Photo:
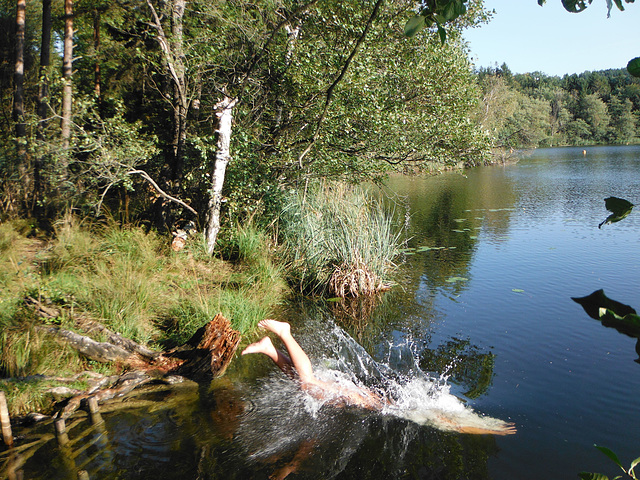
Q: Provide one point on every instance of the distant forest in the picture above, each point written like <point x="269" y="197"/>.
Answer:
<point x="537" y="110"/>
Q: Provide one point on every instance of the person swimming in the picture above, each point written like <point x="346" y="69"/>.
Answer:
<point x="297" y="366"/>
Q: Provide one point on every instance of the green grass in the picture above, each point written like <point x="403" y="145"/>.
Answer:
<point x="129" y="280"/>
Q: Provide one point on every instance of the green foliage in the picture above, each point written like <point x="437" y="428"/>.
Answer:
<point x="283" y="81"/>
<point x="336" y="227"/>
<point x="533" y="109"/>
<point x="630" y="472"/>
<point x="633" y="67"/>
<point x="436" y="12"/>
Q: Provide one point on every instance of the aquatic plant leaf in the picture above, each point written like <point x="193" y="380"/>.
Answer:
<point x="593" y="302"/>
<point x="609" y="453"/>
<point x="619" y="208"/>
<point x="456" y="279"/>
<point x="517" y="290"/>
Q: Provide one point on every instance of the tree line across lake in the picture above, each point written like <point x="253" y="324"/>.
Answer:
<point x="537" y="110"/>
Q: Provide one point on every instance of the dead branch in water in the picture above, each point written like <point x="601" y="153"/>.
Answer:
<point x="203" y="357"/>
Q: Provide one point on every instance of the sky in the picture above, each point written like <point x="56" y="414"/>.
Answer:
<point x="548" y="39"/>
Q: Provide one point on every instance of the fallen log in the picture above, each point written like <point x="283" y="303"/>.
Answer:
<point x="100" y="351"/>
<point x="206" y="355"/>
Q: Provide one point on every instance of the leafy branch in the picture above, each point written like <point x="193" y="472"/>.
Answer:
<point x="599" y="476"/>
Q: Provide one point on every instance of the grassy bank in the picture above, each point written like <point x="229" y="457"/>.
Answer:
<point x="128" y="280"/>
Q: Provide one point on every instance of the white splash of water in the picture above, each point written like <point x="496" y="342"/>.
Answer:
<point x="413" y="394"/>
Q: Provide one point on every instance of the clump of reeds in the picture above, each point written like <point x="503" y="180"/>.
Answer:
<point x="340" y="241"/>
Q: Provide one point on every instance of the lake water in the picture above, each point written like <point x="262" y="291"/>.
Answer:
<point x="481" y="326"/>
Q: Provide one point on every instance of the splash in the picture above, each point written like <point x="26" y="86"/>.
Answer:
<point x="411" y="393"/>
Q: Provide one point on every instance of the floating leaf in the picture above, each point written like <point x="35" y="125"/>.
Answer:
<point x="517" y="290"/>
<point x="619" y="208"/>
<point x="456" y="279"/>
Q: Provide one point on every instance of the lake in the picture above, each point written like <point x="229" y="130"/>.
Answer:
<point x="481" y="326"/>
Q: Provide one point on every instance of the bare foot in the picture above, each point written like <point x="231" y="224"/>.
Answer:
<point x="263" y="346"/>
<point x="279" y="328"/>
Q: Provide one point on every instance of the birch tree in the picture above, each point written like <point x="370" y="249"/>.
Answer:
<point x="224" y="112"/>
<point x="67" y="72"/>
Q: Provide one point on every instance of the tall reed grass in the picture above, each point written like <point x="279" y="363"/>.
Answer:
<point x="339" y="240"/>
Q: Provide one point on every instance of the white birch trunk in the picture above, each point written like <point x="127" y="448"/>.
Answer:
<point x="224" y="112"/>
<point x="67" y="70"/>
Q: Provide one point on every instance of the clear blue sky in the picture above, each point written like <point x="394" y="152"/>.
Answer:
<point x="528" y="37"/>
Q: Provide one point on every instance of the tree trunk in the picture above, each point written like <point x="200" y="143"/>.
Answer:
<point x="45" y="61"/>
<point x="67" y="71"/>
<point x="18" y="103"/>
<point x="179" y="91"/>
<point x="224" y="112"/>
<point x="96" y="49"/>
<point x="18" y="77"/>
<point x="43" y="94"/>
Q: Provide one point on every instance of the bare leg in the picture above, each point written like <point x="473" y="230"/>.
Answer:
<point x="298" y="362"/>
<point x="298" y="357"/>
<point x="282" y="360"/>
<point x="508" y="429"/>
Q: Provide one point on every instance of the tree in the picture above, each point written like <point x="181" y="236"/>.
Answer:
<point x="623" y="122"/>
<point x="296" y="77"/>
<point x="45" y="61"/>
<point x="18" y="98"/>
<point x="595" y="113"/>
<point x="67" y="72"/>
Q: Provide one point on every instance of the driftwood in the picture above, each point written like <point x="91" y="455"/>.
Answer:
<point x="205" y="356"/>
